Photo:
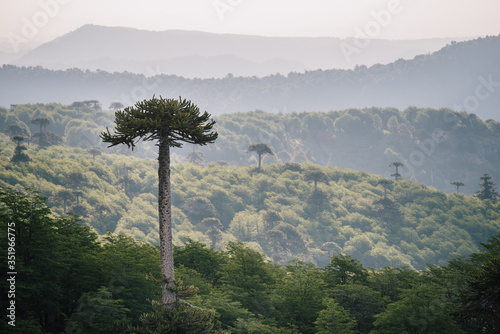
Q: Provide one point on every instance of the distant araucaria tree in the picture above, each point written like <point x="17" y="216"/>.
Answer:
<point x="169" y="122"/>
<point x="458" y="184"/>
<point x="488" y="189"/>
<point x="397" y="164"/>
<point x="261" y="150"/>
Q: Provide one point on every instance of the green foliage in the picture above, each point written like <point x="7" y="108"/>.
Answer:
<point x="261" y="150"/>
<point x="363" y="302"/>
<point x="334" y="319"/>
<point x="316" y="176"/>
<point x="413" y="226"/>
<point x="343" y="269"/>
<point x="102" y="286"/>
<point x="181" y="319"/>
<point x="97" y="312"/>
<point x="421" y="309"/>
<point x="51" y="258"/>
<point x="488" y="189"/>
<point x="162" y="119"/>
<point x="301" y="291"/>
<point x="19" y="155"/>
<point x="248" y="277"/>
<point x="208" y="262"/>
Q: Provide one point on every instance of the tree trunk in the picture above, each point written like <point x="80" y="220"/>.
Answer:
<point x="165" y="222"/>
<point x="260" y="161"/>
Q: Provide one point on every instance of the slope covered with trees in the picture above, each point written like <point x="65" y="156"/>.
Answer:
<point x="286" y="247"/>
<point x="105" y="286"/>
<point x="287" y="210"/>
<point x="436" y="147"/>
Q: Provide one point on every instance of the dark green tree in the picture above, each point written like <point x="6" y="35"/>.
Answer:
<point x="75" y="179"/>
<point x="487" y="190"/>
<point x="249" y="277"/>
<point x="292" y="166"/>
<point x="388" y="210"/>
<point x="316" y="176"/>
<point x="362" y="302"/>
<point x="198" y="208"/>
<point x="169" y="122"/>
<point x="47" y="138"/>
<point x="479" y="302"/>
<point x="344" y="269"/>
<point x="334" y="319"/>
<point x="421" y="309"/>
<point x="214" y="231"/>
<point x="385" y="183"/>
<point x="116" y="106"/>
<point x="261" y="150"/>
<point x="97" y="312"/>
<point x="457" y="184"/>
<point x="64" y="195"/>
<point x="302" y="291"/>
<point x="44" y="138"/>
<point x="396" y="164"/>
<point x="183" y="319"/>
<point x="208" y="262"/>
<point x="42" y="122"/>
<point x="18" y="139"/>
<point x="54" y="257"/>
<point x="19" y="155"/>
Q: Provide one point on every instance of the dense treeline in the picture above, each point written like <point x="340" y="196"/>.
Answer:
<point x="70" y="280"/>
<point x="449" y="78"/>
<point x="281" y="211"/>
<point x="436" y="146"/>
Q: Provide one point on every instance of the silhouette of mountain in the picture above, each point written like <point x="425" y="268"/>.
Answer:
<point x="205" y="55"/>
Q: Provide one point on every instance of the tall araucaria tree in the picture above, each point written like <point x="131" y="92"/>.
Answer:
<point x="169" y="122"/>
<point x="261" y="150"/>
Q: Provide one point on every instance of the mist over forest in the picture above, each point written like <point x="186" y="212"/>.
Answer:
<point x="448" y="78"/>
<point x="307" y="191"/>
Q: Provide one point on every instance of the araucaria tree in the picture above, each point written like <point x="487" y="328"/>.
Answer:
<point x="169" y="122"/>
<point x="457" y="184"/>
<point x="261" y="150"/>
<point x="316" y="176"/>
<point x="488" y="189"/>
<point x="397" y="164"/>
<point x="385" y="183"/>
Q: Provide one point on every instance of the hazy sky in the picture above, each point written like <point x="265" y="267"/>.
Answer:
<point x="29" y="22"/>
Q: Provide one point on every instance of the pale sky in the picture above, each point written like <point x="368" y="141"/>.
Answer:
<point x="30" y="22"/>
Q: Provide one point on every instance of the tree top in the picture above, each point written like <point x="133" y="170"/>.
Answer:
<point x="166" y="120"/>
<point x="260" y="148"/>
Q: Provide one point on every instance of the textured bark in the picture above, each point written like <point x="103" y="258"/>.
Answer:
<point x="165" y="222"/>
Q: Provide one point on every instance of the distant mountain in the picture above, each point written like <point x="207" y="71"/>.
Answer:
<point x="464" y="76"/>
<point x="205" y="55"/>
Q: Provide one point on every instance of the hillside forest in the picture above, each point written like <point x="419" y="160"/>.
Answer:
<point x="299" y="244"/>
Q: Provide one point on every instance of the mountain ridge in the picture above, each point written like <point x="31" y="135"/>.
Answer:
<point x="89" y="43"/>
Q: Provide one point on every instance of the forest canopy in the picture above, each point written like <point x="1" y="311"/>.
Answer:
<point x="279" y="211"/>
